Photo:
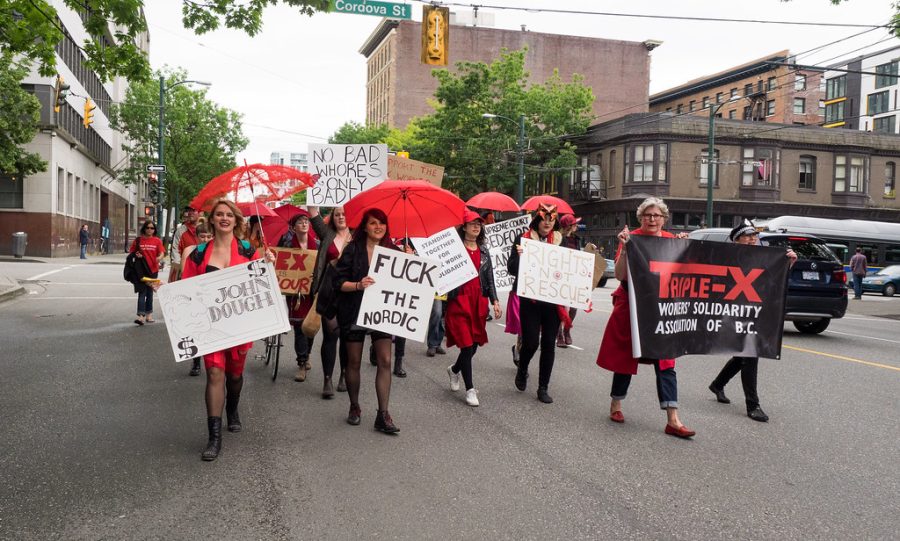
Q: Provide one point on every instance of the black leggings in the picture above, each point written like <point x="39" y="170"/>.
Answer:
<point x="540" y="323"/>
<point x="464" y="365"/>
<point x="331" y="332"/>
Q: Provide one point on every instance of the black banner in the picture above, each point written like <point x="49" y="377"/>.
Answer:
<point x="702" y="297"/>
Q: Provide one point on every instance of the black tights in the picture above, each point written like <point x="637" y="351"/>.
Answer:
<point x="217" y="383"/>
<point x="331" y="347"/>
<point x="464" y="365"/>
<point x="540" y="323"/>
<point x="382" y="374"/>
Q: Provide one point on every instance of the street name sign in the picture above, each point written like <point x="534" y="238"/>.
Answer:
<point x="156" y="168"/>
<point x="390" y="10"/>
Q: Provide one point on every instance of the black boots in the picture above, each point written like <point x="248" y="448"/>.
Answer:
<point x="521" y="379"/>
<point x="231" y="411"/>
<point x="398" y="368"/>
<point x="215" y="439"/>
<point x="384" y="423"/>
<point x="543" y="396"/>
<point x="720" y="393"/>
<point x="195" y="367"/>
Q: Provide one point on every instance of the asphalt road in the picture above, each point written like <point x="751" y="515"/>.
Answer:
<point x="102" y="433"/>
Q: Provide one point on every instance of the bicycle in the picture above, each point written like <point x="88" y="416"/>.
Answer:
<point x="272" y="353"/>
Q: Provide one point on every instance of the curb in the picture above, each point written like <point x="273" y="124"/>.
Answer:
<point x="10" y="289"/>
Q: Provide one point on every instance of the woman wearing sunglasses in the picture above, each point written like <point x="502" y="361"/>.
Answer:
<point x="150" y="250"/>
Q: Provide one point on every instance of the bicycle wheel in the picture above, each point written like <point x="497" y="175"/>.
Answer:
<point x="270" y="344"/>
<point x="277" y="348"/>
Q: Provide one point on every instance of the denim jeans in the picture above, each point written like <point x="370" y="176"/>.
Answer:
<point x="857" y="285"/>
<point x="666" y="386"/>
<point x="436" y="324"/>
<point x="145" y="301"/>
<point x="302" y="344"/>
<point x="84" y="251"/>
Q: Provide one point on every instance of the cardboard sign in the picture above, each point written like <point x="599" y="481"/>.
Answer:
<point x="399" y="302"/>
<point x="599" y="262"/>
<point x="703" y="297"/>
<point x="222" y="309"/>
<point x="294" y="268"/>
<point x="500" y="238"/>
<point x="344" y="172"/>
<point x="406" y="169"/>
<point x="555" y="274"/>
<point x="447" y="248"/>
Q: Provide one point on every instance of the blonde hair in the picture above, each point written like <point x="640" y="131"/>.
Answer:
<point x="653" y="202"/>
<point x="238" y="216"/>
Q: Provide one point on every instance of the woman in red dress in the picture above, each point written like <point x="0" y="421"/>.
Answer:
<point x="467" y="307"/>
<point x="615" y="349"/>
<point x="151" y="250"/>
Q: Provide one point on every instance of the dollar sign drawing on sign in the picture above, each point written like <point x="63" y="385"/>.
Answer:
<point x="257" y="269"/>
<point x="187" y="347"/>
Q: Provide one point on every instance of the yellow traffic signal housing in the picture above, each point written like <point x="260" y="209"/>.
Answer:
<point x="403" y="154"/>
<point x="88" y="112"/>
<point x="60" y="91"/>
<point x="435" y="35"/>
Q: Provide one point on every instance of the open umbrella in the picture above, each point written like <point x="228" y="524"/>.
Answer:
<point x="561" y="206"/>
<point x="255" y="182"/>
<point x="415" y="208"/>
<point x="255" y="209"/>
<point x="494" y="201"/>
<point x="274" y="227"/>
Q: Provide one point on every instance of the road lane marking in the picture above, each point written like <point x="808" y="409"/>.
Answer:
<point x="574" y="347"/>
<point x="44" y="297"/>
<point x="104" y="284"/>
<point x="48" y="273"/>
<point x="842" y="358"/>
<point x="861" y="336"/>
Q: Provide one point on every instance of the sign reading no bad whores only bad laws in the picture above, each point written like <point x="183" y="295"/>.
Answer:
<point x="345" y="171"/>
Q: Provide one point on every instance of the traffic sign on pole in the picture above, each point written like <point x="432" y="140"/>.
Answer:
<point x="156" y="168"/>
<point x="389" y="10"/>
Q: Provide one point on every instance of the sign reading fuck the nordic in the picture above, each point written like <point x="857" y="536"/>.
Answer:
<point x="229" y="307"/>
<point x="700" y="297"/>
<point x="345" y="171"/>
<point x="555" y="274"/>
<point x="399" y="302"/>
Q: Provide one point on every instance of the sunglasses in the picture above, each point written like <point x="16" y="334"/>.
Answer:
<point x="151" y="227"/>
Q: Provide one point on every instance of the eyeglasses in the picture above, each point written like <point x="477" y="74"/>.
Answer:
<point x="150" y="227"/>
<point x="652" y="216"/>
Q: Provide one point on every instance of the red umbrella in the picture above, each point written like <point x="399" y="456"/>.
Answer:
<point x="255" y="209"/>
<point x="415" y="208"/>
<point x="276" y="226"/>
<point x="256" y="182"/>
<point x="494" y="201"/>
<point x="561" y="206"/>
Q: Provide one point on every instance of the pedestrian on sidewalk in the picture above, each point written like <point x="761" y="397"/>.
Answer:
<point x="467" y="307"/>
<point x="859" y="268"/>
<point x="84" y="237"/>
<point x="148" y="248"/>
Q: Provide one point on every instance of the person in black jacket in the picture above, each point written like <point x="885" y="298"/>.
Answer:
<point x="467" y="307"/>
<point x="351" y="280"/>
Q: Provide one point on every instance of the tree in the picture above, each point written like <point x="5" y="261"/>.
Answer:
<point x="353" y="133"/>
<point x="201" y="138"/>
<point x="479" y="154"/>
<point x="20" y="113"/>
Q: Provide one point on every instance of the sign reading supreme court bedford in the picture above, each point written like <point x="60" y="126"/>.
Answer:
<point x="294" y="269"/>
<point x="222" y="309"/>
<point x="696" y="297"/>
<point x="555" y="274"/>
<point x="344" y="172"/>
<point x="500" y="237"/>
<point x="399" y="302"/>
<point x="447" y="248"/>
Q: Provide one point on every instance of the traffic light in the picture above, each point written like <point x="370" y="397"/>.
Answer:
<point x="435" y="35"/>
<point x="60" y="91"/>
<point x="403" y="154"/>
<point x="152" y="187"/>
<point x="149" y="210"/>
<point x="88" y="112"/>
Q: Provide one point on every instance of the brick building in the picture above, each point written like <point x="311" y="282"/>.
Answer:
<point x="399" y="85"/>
<point x="762" y="90"/>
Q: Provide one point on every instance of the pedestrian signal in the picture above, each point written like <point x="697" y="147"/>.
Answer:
<point x="148" y="210"/>
<point x="60" y="91"/>
<point x="88" y="112"/>
<point x="435" y="35"/>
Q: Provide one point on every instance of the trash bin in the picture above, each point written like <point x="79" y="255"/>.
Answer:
<point x="19" y="241"/>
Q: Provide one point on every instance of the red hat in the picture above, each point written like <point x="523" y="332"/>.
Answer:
<point x="568" y="220"/>
<point x="471" y="216"/>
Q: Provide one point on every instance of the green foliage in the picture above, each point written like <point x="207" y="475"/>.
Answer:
<point x="20" y="113"/>
<point x="201" y="138"/>
<point x="479" y="154"/>
<point x="246" y="15"/>
<point x="353" y="133"/>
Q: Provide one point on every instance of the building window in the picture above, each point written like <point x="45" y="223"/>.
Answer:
<point x="822" y="83"/>
<point x="849" y="174"/>
<point x="890" y="176"/>
<point x="770" y="107"/>
<point x="771" y="84"/>
<point x="807" y="173"/>
<point x="732" y="114"/>
<point x="886" y="74"/>
<point x="799" y="106"/>
<point x="706" y="102"/>
<point x="884" y="124"/>
<point x="734" y="93"/>
<point x="11" y="193"/>
<point x="612" y="168"/>
<point x="704" y="167"/>
<point x="834" y="112"/>
<point x="748" y="89"/>
<point x="836" y="88"/>
<point x="821" y="107"/>
<point x="680" y="109"/>
<point x="646" y="163"/>
<point x="800" y="82"/>
<point x="718" y="97"/>
<point x="746" y="114"/>
<point x="759" y="86"/>
<point x="691" y="105"/>
<point x="758" y="167"/>
<point x="878" y="102"/>
<point x="60" y="190"/>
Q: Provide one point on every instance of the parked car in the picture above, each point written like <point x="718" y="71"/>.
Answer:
<point x="817" y="283"/>
<point x="886" y="281"/>
<point x="610" y="272"/>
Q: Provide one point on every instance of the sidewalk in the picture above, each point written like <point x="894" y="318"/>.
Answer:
<point x="10" y="288"/>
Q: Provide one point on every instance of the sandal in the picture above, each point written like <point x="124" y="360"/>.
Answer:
<point x="139" y="320"/>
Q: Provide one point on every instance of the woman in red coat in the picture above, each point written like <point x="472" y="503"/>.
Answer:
<point x="615" y="349"/>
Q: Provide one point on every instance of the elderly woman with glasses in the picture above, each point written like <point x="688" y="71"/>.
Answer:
<point x="150" y="250"/>
<point x="615" y="349"/>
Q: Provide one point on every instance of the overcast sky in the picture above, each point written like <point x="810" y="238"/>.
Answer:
<point x="302" y="77"/>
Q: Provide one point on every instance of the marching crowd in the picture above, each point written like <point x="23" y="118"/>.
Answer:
<point x="340" y="278"/>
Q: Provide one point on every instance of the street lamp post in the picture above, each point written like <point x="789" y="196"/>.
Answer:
<point x="710" y="153"/>
<point x="520" y="152"/>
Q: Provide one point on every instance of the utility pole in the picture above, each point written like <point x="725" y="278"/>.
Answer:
<point x="160" y="154"/>
<point x="521" y="158"/>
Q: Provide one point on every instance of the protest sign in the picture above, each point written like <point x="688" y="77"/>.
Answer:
<point x="702" y="297"/>
<point x="294" y="269"/>
<point x="344" y="172"/>
<point x="447" y="248"/>
<point x="405" y="169"/>
<point x="222" y="309"/>
<point x="499" y="238"/>
<point x="399" y="302"/>
<point x="555" y="274"/>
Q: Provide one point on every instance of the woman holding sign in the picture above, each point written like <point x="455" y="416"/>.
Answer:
<point x="224" y="369"/>
<point x="615" y="349"/>
<point x="300" y="237"/>
<point x="467" y="307"/>
<point x="351" y="280"/>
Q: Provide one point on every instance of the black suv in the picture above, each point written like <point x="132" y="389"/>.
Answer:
<point x="817" y="285"/>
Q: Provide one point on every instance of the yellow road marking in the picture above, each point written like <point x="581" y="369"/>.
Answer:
<point x="842" y="358"/>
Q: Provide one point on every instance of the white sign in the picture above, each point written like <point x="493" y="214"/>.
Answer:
<point x="399" y="302"/>
<point x="344" y="172"/>
<point x="555" y="274"/>
<point x="447" y="248"/>
<point x="223" y="309"/>
<point x="500" y="238"/>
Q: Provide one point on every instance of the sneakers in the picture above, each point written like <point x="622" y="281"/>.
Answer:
<point x="440" y="351"/>
<point x="454" y="380"/>
<point x="430" y="352"/>
<point x="757" y="414"/>
<point x="384" y="423"/>
<point x="353" y="418"/>
<point x="472" y="397"/>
